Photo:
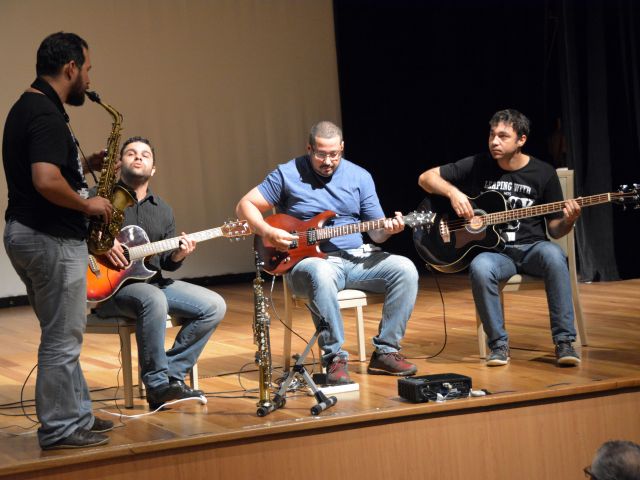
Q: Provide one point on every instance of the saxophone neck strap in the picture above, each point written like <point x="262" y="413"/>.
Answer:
<point x="47" y="90"/>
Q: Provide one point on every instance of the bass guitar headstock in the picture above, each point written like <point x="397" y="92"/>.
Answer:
<point x="628" y="195"/>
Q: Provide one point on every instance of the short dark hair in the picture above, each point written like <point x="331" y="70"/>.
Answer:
<point x="138" y="139"/>
<point x="324" y="129"/>
<point x="517" y="120"/>
<point x="617" y="460"/>
<point x="57" y="50"/>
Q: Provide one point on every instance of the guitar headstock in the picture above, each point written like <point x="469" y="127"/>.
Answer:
<point x="236" y="229"/>
<point x="628" y="194"/>
<point x="419" y="219"/>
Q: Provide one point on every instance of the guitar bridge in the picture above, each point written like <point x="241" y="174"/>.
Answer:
<point x="445" y="234"/>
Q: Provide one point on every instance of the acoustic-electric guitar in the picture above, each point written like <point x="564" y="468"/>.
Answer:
<point x="103" y="279"/>
<point x="451" y="242"/>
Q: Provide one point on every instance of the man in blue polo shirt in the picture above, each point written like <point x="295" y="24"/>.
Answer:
<point x="311" y="184"/>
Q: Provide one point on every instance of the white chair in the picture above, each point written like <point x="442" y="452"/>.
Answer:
<point x="349" y="298"/>
<point x="526" y="282"/>
<point x="125" y="327"/>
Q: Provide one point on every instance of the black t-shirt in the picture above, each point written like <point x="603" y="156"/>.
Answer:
<point x="36" y="131"/>
<point x="536" y="183"/>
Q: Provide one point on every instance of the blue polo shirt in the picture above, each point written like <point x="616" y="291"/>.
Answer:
<point x="295" y="189"/>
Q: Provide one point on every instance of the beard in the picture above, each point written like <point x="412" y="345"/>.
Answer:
<point x="134" y="179"/>
<point x="77" y="93"/>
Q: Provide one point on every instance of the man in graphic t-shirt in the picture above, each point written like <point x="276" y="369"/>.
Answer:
<point x="307" y="186"/>
<point x="523" y="181"/>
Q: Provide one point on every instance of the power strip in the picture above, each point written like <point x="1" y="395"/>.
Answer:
<point x="333" y="389"/>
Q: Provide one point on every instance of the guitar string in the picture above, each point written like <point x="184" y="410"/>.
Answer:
<point x="329" y="232"/>
<point x="502" y="217"/>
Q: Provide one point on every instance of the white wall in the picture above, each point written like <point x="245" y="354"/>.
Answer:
<point x="225" y="89"/>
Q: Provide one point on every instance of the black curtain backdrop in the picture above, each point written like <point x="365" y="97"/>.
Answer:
<point x="419" y="81"/>
<point x="599" y="62"/>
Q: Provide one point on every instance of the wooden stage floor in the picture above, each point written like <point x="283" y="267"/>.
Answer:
<point x="610" y="366"/>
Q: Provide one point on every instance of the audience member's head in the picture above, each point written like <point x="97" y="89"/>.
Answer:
<point x="616" y="460"/>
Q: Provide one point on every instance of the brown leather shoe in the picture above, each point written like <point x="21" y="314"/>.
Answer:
<point x="393" y="363"/>
<point x="338" y="372"/>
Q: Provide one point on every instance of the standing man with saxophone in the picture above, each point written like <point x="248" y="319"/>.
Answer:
<point x="45" y="235"/>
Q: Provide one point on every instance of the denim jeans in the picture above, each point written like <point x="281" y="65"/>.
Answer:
<point x="200" y="310"/>
<point x="54" y="271"/>
<point x="543" y="259"/>
<point x="320" y="280"/>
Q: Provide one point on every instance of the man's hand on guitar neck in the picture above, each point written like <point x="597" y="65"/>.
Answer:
<point x="559" y="227"/>
<point x="186" y="246"/>
<point x="391" y="227"/>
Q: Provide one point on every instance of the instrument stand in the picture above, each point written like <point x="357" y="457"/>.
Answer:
<point x="298" y="369"/>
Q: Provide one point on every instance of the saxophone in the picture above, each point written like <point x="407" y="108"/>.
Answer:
<point x="261" y="338"/>
<point x="101" y="234"/>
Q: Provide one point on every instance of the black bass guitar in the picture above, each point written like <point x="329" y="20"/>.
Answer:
<point x="452" y="242"/>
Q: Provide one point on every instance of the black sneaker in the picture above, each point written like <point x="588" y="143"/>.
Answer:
<point x="185" y="391"/>
<point x="498" y="356"/>
<point x="566" y="355"/>
<point x="101" y="426"/>
<point x="175" y="390"/>
<point x="79" y="439"/>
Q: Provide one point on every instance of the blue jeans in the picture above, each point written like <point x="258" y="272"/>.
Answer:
<point x="200" y="310"/>
<point x="543" y="259"/>
<point x="320" y="280"/>
<point x="54" y="271"/>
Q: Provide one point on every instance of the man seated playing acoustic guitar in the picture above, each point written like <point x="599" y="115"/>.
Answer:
<point x="524" y="181"/>
<point x="200" y="309"/>
<point x="307" y="186"/>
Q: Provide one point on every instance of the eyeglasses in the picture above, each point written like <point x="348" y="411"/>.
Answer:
<point x="330" y="155"/>
<point x="588" y="474"/>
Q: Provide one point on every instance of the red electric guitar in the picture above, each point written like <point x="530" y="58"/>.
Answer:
<point x="103" y="280"/>
<point x="312" y="232"/>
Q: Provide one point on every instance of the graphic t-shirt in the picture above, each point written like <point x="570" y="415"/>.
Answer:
<point x="536" y="183"/>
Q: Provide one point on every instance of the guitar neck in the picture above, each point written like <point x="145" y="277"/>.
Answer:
<point x="537" y="210"/>
<point x="329" y="232"/>
<point x="141" y="251"/>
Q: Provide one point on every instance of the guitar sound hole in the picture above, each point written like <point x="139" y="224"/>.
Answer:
<point x="476" y="224"/>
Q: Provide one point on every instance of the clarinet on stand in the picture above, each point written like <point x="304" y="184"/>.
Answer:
<point x="261" y="338"/>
